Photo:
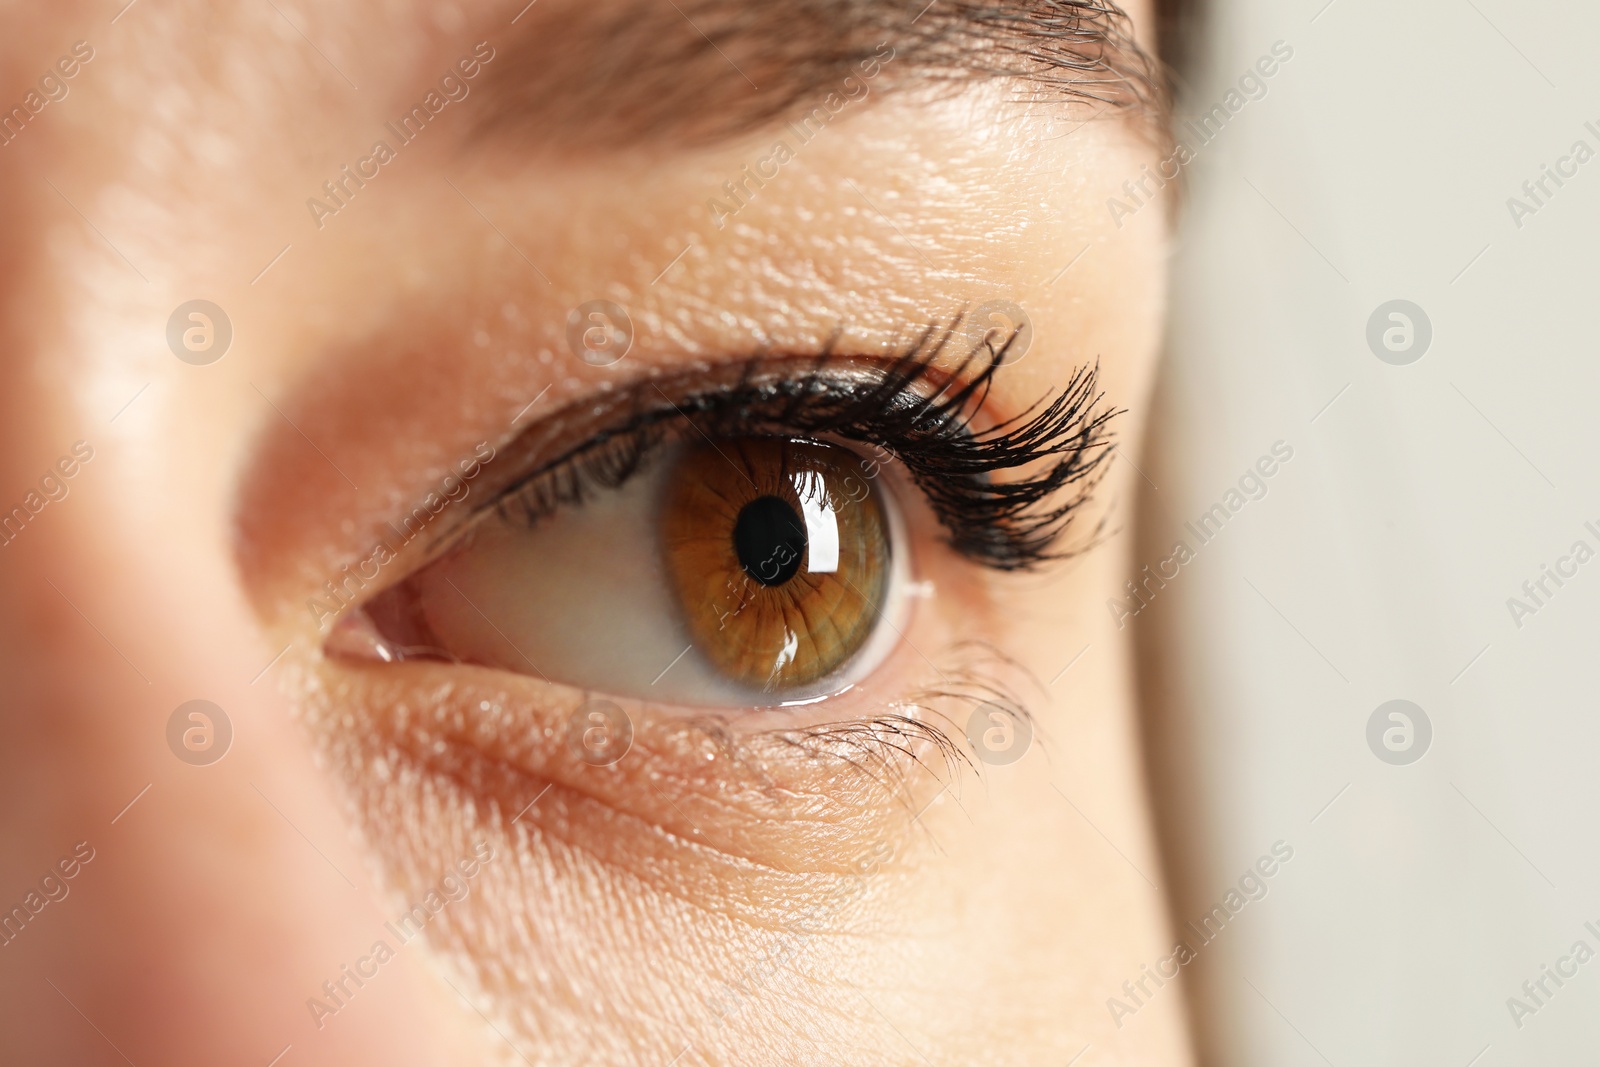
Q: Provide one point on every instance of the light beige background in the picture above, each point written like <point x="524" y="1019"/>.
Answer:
<point x="1378" y="566"/>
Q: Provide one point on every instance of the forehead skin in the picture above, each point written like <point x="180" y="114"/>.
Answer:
<point x="372" y="347"/>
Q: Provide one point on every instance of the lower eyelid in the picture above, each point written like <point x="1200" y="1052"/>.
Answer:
<point x="749" y="784"/>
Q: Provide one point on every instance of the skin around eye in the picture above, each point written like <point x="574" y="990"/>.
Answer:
<point x="732" y="572"/>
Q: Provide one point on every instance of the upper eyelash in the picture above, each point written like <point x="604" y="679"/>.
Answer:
<point x="1004" y="525"/>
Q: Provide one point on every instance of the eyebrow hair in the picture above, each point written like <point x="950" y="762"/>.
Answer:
<point x="600" y="75"/>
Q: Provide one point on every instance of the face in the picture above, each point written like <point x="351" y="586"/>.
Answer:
<point x="576" y="535"/>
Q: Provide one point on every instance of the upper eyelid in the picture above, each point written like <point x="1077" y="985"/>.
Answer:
<point x="522" y="455"/>
<point x="682" y="410"/>
<point x="537" y="451"/>
<point x="661" y="396"/>
<point x="534" y="451"/>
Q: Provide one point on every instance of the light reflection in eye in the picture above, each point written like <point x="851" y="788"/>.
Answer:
<point x="822" y="526"/>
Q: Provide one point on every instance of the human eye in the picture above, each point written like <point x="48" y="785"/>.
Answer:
<point x="742" y="537"/>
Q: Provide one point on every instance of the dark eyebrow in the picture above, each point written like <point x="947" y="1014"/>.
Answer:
<point x="600" y="75"/>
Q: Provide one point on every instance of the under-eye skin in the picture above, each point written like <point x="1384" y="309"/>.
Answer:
<point x="738" y="537"/>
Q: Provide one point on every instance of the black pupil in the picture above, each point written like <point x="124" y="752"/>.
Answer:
<point x="770" y="539"/>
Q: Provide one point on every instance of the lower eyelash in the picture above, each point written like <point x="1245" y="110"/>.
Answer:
<point x="1062" y="442"/>
<point x="926" y="731"/>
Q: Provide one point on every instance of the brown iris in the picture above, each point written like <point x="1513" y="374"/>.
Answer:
<point x="779" y="555"/>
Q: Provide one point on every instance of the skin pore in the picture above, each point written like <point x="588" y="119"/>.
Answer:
<point x="820" y="884"/>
